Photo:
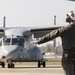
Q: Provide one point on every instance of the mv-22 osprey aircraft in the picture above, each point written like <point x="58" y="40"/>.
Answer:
<point x="15" y="45"/>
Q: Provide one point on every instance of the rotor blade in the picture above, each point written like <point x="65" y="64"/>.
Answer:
<point x="71" y="0"/>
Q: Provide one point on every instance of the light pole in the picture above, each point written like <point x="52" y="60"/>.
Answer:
<point x="4" y="21"/>
<point x="55" y="39"/>
<point x="54" y="24"/>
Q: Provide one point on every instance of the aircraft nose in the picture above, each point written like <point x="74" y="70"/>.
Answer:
<point x="9" y="49"/>
<point x="9" y="52"/>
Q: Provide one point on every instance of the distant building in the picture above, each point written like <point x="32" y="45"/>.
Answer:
<point x="49" y="55"/>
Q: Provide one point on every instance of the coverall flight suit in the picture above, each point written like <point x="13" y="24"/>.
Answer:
<point x="67" y="34"/>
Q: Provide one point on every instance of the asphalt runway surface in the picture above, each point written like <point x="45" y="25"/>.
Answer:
<point x="32" y="70"/>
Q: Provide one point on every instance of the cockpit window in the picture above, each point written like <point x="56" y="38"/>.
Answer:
<point x="15" y="41"/>
<point x="6" y="41"/>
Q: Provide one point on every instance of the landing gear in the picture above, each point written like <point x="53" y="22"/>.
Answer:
<point x="43" y="63"/>
<point x="10" y="64"/>
<point x="3" y="65"/>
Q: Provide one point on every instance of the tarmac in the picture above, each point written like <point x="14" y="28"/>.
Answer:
<point x="32" y="70"/>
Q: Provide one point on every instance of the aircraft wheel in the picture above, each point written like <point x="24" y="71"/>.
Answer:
<point x="3" y="65"/>
<point x="11" y="65"/>
<point x="8" y="65"/>
<point x="44" y="64"/>
<point x="39" y="64"/>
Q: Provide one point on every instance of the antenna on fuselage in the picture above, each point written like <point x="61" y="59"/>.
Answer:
<point x="4" y="22"/>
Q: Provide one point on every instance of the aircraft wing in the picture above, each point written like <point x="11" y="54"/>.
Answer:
<point x="2" y="33"/>
<point x="71" y="0"/>
<point x="39" y="32"/>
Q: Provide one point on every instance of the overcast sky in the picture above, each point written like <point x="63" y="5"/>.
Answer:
<point x="29" y="13"/>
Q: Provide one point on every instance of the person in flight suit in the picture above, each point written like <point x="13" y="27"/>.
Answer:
<point x="67" y="34"/>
